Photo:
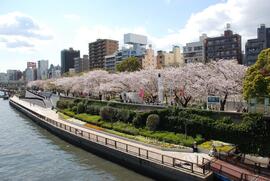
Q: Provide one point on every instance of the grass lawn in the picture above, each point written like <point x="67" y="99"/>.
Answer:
<point x="88" y="118"/>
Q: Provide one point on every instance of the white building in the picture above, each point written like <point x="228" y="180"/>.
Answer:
<point x="42" y="71"/>
<point x="194" y="52"/>
<point x="54" y="72"/>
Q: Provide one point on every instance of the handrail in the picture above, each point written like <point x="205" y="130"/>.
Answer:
<point x="242" y="176"/>
<point x="143" y="153"/>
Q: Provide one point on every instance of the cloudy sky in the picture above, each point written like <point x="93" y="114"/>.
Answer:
<point x="31" y="30"/>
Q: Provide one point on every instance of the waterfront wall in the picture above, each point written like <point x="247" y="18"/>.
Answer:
<point x="144" y="166"/>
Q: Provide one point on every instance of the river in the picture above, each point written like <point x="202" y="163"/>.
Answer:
<point x="29" y="152"/>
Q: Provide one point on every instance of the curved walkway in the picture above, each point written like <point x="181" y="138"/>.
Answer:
<point x="196" y="158"/>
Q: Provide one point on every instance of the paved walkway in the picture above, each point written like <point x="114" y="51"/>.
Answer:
<point x="190" y="157"/>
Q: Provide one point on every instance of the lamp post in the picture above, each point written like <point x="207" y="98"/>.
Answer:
<point x="160" y="89"/>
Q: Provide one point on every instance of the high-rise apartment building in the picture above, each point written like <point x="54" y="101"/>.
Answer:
<point x="13" y="75"/>
<point x="67" y="59"/>
<point x="227" y="46"/>
<point x="135" y="47"/>
<point x="194" y="52"/>
<point x="81" y="64"/>
<point x="42" y="71"/>
<point x="255" y="46"/>
<point x="98" y="50"/>
<point x="30" y="74"/>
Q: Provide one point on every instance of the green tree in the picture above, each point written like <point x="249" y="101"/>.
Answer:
<point x="257" y="78"/>
<point x="130" y="64"/>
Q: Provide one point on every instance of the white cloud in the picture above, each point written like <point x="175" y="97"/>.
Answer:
<point x="72" y="17"/>
<point x="244" y="17"/>
<point x="22" y="32"/>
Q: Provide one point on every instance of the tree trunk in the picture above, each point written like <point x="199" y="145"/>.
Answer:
<point x="223" y="102"/>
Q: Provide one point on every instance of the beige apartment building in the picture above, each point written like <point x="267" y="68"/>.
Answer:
<point x="149" y="61"/>
<point x="172" y="59"/>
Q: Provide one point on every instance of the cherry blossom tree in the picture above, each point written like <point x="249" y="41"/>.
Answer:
<point x="186" y="84"/>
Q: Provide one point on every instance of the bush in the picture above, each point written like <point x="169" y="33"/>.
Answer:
<point x="124" y="115"/>
<point x="125" y="128"/>
<point x="74" y="109"/>
<point x="80" y="108"/>
<point x="108" y="113"/>
<point x="62" y="104"/>
<point x="152" y="122"/>
<point x="94" y="110"/>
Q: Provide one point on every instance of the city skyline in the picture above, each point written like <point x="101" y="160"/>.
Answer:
<point x="34" y="31"/>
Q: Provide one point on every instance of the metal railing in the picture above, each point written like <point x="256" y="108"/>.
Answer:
<point x="169" y="161"/>
<point x="232" y="173"/>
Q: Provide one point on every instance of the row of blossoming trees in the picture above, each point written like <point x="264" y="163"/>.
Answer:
<point x="187" y="84"/>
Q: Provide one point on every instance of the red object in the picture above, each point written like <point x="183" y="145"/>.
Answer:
<point x="141" y="93"/>
<point x="181" y="92"/>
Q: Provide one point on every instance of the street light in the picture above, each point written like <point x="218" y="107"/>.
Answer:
<point x="160" y="88"/>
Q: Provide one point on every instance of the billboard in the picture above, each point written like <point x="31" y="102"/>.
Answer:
<point x="31" y="65"/>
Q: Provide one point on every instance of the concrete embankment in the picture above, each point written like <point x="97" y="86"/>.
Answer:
<point x="140" y="159"/>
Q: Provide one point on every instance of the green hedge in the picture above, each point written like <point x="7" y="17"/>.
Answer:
<point x="251" y="133"/>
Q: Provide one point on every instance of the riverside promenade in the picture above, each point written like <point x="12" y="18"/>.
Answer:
<point x="147" y="160"/>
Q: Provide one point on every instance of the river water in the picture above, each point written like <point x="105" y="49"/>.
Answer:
<point x="29" y="152"/>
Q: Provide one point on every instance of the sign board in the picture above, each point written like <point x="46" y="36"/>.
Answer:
<point x="213" y="100"/>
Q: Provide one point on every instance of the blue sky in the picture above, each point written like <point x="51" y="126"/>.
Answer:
<point x="31" y="30"/>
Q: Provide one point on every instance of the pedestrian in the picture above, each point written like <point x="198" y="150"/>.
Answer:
<point x="100" y="96"/>
<point x="194" y="147"/>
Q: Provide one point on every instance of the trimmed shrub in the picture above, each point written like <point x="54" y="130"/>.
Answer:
<point x="74" y="109"/>
<point x="80" y="108"/>
<point x="152" y="122"/>
<point x="124" y="115"/>
<point x="62" y="104"/>
<point x="94" y="110"/>
<point x="108" y="113"/>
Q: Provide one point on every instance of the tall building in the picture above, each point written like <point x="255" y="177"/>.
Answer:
<point x="149" y="61"/>
<point x="81" y="64"/>
<point x="54" y="72"/>
<point x="227" y="46"/>
<point x="194" y="52"/>
<point x="14" y="75"/>
<point x="98" y="50"/>
<point x="255" y="46"/>
<point x="29" y="74"/>
<point x="3" y="77"/>
<point x="173" y="58"/>
<point x="42" y="71"/>
<point x="136" y="48"/>
<point x="67" y="59"/>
